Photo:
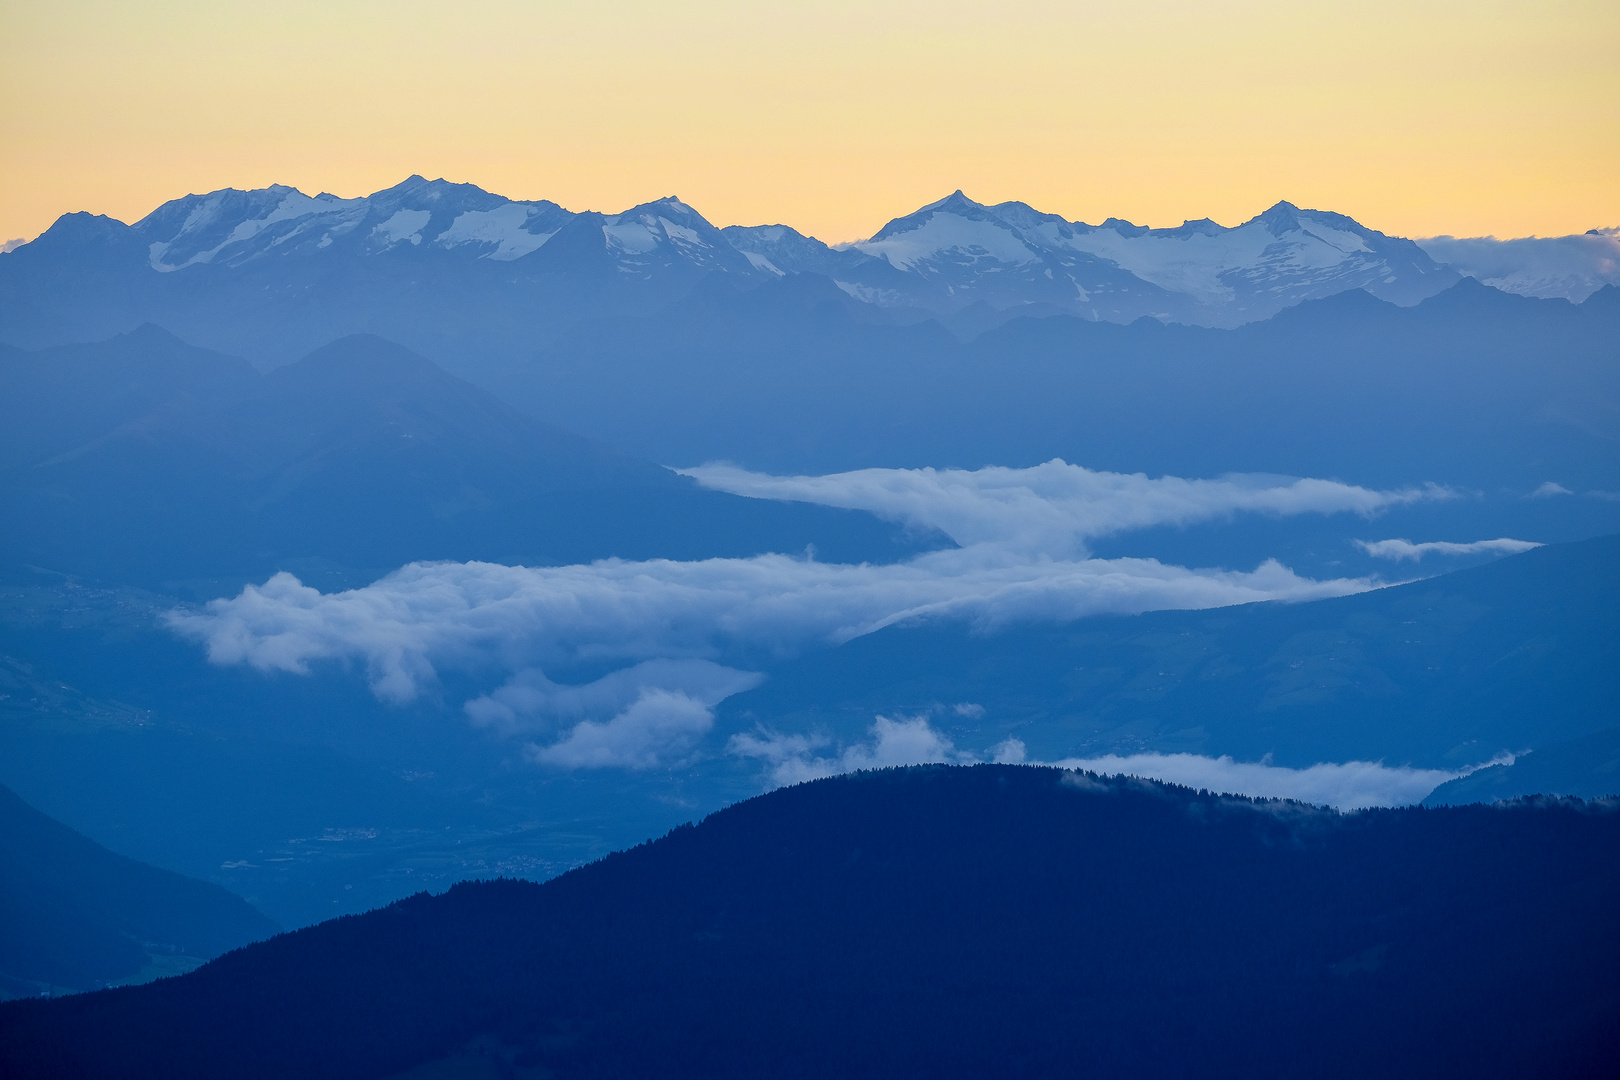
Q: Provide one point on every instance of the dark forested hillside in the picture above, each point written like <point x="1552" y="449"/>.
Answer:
<point x="75" y="916"/>
<point x="934" y="921"/>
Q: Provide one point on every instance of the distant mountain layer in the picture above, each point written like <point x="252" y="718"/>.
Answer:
<point x="143" y="460"/>
<point x="74" y="916"/>
<point x="985" y="921"/>
<point x="1471" y="387"/>
<point x="454" y="270"/>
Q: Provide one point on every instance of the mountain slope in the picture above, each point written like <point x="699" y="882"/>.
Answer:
<point x="938" y="921"/>
<point x="1472" y="387"/>
<point x="1444" y="673"/>
<point x="350" y="462"/>
<point x="1588" y="767"/>
<point x="74" y="916"/>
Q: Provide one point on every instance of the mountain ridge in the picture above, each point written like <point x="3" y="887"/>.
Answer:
<point x="937" y="920"/>
<point x="271" y="273"/>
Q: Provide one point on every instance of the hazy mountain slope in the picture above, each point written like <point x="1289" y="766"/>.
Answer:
<point x="1471" y="387"/>
<point x="306" y="797"/>
<point x="1444" y="673"/>
<point x="923" y="922"/>
<point x="74" y="916"/>
<point x="57" y="400"/>
<point x="1588" y="767"/>
<point x="356" y="459"/>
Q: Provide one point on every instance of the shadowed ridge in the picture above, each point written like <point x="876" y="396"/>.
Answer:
<point x="74" y="916"/>
<point x="932" y="921"/>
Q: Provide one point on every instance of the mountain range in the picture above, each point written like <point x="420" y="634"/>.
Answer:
<point x="468" y="276"/>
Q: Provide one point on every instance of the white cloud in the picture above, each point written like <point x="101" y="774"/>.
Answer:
<point x="1353" y="785"/>
<point x="669" y="626"/>
<point x="1054" y="508"/>
<point x="638" y="717"/>
<point x="529" y="700"/>
<point x="1549" y="489"/>
<point x="791" y="759"/>
<point x="427" y="616"/>
<point x="656" y="728"/>
<point x="1569" y="266"/>
<point x="1404" y="549"/>
<point x="12" y="245"/>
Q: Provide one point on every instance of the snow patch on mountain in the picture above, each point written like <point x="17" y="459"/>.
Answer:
<point x="504" y="227"/>
<point x="1197" y="259"/>
<point x="208" y="210"/>
<point x="760" y="262"/>
<point x="946" y="234"/>
<point x="403" y="225"/>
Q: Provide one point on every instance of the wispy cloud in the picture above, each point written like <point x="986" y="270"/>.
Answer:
<point x="1352" y="785"/>
<point x="1400" y="550"/>
<point x="1550" y="489"/>
<point x="639" y="717"/>
<point x="793" y="759"/>
<point x="1056" y="507"/>
<point x="466" y="615"/>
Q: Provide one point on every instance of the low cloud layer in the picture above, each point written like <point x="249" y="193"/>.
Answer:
<point x="1401" y="550"/>
<point x="672" y="634"/>
<point x="1572" y="267"/>
<point x="1353" y="785"/>
<point x="1056" y="507"/>
<point x="425" y="616"/>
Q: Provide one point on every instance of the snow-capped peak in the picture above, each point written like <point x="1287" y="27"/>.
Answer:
<point x="955" y="227"/>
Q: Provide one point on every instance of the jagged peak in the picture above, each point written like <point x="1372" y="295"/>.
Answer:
<point x="955" y="203"/>
<point x="1123" y="227"/>
<point x="669" y="206"/>
<point x="955" y="200"/>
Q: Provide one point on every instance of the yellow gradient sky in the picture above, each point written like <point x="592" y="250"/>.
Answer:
<point x="1416" y="118"/>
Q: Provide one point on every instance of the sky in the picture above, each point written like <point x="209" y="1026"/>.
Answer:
<point x="1477" y="118"/>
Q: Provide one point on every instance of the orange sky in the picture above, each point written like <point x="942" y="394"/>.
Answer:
<point x="833" y="116"/>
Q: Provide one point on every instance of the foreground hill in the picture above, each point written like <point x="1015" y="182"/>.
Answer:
<point x="994" y="920"/>
<point x="143" y="460"/>
<point x="74" y="916"/>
